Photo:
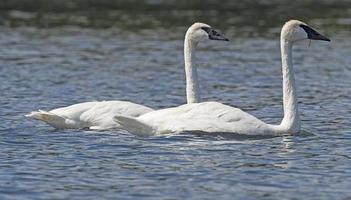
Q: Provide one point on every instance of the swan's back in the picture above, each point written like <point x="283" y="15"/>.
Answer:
<point x="205" y="110"/>
<point x="93" y="115"/>
<point x="205" y="117"/>
<point x="107" y="109"/>
<point x="74" y="111"/>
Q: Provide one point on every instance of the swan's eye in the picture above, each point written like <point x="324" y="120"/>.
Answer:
<point x="309" y="30"/>
<point x="208" y="30"/>
<point x="215" y="33"/>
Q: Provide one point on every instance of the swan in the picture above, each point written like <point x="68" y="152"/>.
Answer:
<point x="99" y="115"/>
<point x="214" y="117"/>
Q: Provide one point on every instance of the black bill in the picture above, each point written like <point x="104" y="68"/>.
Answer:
<point x="313" y="35"/>
<point x="214" y="34"/>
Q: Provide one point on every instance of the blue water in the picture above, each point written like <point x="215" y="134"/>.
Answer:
<point x="49" y="68"/>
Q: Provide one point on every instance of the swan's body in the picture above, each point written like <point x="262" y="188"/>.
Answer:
<point x="93" y="115"/>
<point x="212" y="117"/>
<point x="100" y="115"/>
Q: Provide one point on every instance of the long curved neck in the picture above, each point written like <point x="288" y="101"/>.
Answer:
<point x="192" y="84"/>
<point x="291" y="120"/>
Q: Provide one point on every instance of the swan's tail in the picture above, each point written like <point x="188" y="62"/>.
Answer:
<point x="49" y="118"/>
<point x="134" y="126"/>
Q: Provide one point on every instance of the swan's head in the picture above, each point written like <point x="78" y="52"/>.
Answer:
<point x="295" y="30"/>
<point x="200" y="32"/>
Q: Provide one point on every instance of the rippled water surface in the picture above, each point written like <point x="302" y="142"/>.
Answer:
<point x="47" y="68"/>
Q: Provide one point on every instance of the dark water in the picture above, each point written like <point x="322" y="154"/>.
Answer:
<point x="58" y="66"/>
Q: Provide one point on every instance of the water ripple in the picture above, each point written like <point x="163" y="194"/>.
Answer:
<point x="47" y="68"/>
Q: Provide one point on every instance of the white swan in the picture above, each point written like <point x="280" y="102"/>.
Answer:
<point x="216" y="117"/>
<point x="99" y="115"/>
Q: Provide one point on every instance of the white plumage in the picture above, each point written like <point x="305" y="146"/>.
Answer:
<point x="99" y="115"/>
<point x="93" y="115"/>
<point x="213" y="117"/>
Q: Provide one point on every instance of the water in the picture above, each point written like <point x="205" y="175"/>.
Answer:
<point x="58" y="66"/>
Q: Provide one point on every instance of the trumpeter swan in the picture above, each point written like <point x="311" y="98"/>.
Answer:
<point x="215" y="117"/>
<point x="99" y="115"/>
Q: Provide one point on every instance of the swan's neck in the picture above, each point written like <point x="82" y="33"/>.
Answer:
<point x="291" y="120"/>
<point x="192" y="85"/>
